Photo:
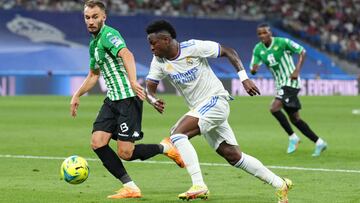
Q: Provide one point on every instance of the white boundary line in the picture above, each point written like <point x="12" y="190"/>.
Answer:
<point x="169" y="162"/>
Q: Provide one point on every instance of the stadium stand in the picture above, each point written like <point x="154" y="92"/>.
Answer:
<point x="32" y="31"/>
<point x="33" y="36"/>
<point x="332" y="25"/>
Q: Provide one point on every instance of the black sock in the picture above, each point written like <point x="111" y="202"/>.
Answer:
<point x="280" y="116"/>
<point x="112" y="163"/>
<point x="305" y="129"/>
<point x="145" y="151"/>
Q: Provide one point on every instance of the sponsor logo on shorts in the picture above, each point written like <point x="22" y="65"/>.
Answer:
<point x="123" y="135"/>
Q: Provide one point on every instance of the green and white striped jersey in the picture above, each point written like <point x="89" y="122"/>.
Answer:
<point x="104" y="50"/>
<point x="278" y="59"/>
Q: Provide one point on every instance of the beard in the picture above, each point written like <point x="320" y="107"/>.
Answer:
<point x="99" y="26"/>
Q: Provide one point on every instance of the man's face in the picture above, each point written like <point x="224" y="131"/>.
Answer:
<point x="94" y="19"/>
<point x="264" y="34"/>
<point x="159" y="44"/>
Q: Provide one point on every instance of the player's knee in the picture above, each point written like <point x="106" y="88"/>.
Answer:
<point x="125" y="154"/>
<point x="97" y="143"/>
<point x="232" y="156"/>
<point x="99" y="139"/>
<point x="273" y="110"/>
<point x="294" y="119"/>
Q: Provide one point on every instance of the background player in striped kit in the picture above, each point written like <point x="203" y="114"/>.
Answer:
<point x="276" y="53"/>
<point x="120" y="116"/>
<point x="185" y="65"/>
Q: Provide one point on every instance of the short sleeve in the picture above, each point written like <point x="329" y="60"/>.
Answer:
<point x="255" y="59"/>
<point x="206" y="49"/>
<point x="92" y="58"/>
<point x="113" y="42"/>
<point x="155" y="73"/>
<point x="293" y="46"/>
<point x="92" y="63"/>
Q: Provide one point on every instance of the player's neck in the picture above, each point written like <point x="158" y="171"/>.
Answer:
<point x="174" y="51"/>
<point x="268" y="43"/>
<point x="95" y="34"/>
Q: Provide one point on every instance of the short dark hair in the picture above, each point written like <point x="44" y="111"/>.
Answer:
<point x="93" y="3"/>
<point x="261" y="25"/>
<point x="159" y="26"/>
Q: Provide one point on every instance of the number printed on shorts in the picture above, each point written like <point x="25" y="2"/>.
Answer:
<point x="124" y="127"/>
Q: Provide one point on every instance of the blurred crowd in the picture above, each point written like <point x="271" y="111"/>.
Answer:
<point x="332" y="25"/>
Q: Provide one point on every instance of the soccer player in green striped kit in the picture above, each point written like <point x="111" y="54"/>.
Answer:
<point x="120" y="116"/>
<point x="276" y="53"/>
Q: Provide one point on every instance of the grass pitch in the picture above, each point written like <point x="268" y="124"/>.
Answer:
<point x="41" y="126"/>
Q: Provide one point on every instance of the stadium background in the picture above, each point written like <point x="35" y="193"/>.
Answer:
<point x="43" y="44"/>
<point x="44" y="57"/>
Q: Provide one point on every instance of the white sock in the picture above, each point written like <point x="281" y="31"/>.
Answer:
<point x="189" y="156"/>
<point x="132" y="185"/>
<point x="293" y="137"/>
<point x="319" y="141"/>
<point x="257" y="169"/>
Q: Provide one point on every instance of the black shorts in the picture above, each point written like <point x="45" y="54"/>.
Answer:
<point x="122" y="118"/>
<point x="290" y="99"/>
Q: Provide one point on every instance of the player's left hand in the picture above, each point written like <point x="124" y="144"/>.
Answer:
<point x="294" y="75"/>
<point x="139" y="90"/>
<point x="159" y="105"/>
<point x="250" y="87"/>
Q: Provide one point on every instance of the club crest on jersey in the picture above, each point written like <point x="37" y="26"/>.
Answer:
<point x="262" y="52"/>
<point x="169" y="68"/>
<point x="189" y="61"/>
<point x="276" y="48"/>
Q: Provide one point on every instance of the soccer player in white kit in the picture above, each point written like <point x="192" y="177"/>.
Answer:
<point x="186" y="67"/>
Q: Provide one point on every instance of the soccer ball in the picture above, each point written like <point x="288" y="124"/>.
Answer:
<point x="74" y="170"/>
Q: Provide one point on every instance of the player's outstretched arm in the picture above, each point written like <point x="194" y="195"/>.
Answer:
<point x="129" y="63"/>
<point x="150" y="92"/>
<point x="234" y="59"/>
<point x="299" y="64"/>
<point x="87" y="85"/>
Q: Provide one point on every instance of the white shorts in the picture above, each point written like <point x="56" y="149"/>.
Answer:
<point x="213" y="123"/>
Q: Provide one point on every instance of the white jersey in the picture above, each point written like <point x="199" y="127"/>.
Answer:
<point x="190" y="72"/>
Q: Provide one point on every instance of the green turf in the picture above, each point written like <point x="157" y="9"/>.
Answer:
<point x="42" y="126"/>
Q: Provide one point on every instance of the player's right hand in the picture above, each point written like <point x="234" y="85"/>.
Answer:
<point x="74" y="105"/>
<point x="250" y="87"/>
<point x="139" y="90"/>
